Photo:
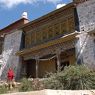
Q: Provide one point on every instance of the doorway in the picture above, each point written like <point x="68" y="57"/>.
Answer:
<point x="31" y="68"/>
<point x="63" y="64"/>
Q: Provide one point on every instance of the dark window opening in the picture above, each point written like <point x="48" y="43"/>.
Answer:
<point x="77" y="28"/>
<point x="1" y="44"/>
<point x="22" y="46"/>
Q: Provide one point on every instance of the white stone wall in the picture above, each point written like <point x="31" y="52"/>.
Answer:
<point x="9" y="59"/>
<point x="86" y="14"/>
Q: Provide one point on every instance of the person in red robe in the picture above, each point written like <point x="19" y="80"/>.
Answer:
<point x="10" y="77"/>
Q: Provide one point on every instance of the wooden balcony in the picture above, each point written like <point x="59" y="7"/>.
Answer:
<point x="62" y="39"/>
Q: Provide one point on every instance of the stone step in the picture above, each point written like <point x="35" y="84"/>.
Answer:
<point x="55" y="92"/>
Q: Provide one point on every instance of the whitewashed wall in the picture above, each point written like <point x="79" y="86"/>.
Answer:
<point x="86" y="14"/>
<point x="11" y="46"/>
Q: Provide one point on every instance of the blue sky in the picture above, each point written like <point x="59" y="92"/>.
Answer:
<point x="11" y="10"/>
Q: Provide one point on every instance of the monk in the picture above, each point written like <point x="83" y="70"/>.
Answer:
<point x="10" y="77"/>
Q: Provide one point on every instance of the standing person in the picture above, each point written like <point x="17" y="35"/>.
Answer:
<point x="10" y="77"/>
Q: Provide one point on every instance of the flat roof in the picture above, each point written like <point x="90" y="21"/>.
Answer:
<point x="12" y="24"/>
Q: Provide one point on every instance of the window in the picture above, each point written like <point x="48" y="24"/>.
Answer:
<point x="33" y="38"/>
<point x="38" y="37"/>
<point x="71" y="24"/>
<point x="57" y="29"/>
<point x="27" y="40"/>
<point x="1" y="44"/>
<point x="50" y="32"/>
<point x="44" y="33"/>
<point x="63" y="27"/>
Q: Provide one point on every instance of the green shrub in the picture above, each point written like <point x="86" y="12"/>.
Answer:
<point x="52" y="83"/>
<point x="77" y="77"/>
<point x="3" y="89"/>
<point x="25" y="85"/>
<point x="37" y="84"/>
<point x="29" y="85"/>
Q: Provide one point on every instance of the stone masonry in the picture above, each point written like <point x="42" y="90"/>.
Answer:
<point x="11" y="46"/>
<point x="86" y="15"/>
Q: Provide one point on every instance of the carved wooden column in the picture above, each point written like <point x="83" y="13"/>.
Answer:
<point x="37" y="67"/>
<point x="58" y="61"/>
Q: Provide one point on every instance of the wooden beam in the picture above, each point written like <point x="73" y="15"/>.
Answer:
<point x="58" y="62"/>
<point x="37" y="67"/>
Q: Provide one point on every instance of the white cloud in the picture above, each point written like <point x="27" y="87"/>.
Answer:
<point x="11" y="3"/>
<point x="60" y="5"/>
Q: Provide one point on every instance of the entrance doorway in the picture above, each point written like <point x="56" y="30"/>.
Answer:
<point x="31" y="68"/>
<point x="63" y="64"/>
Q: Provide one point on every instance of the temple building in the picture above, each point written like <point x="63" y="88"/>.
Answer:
<point x="63" y="37"/>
